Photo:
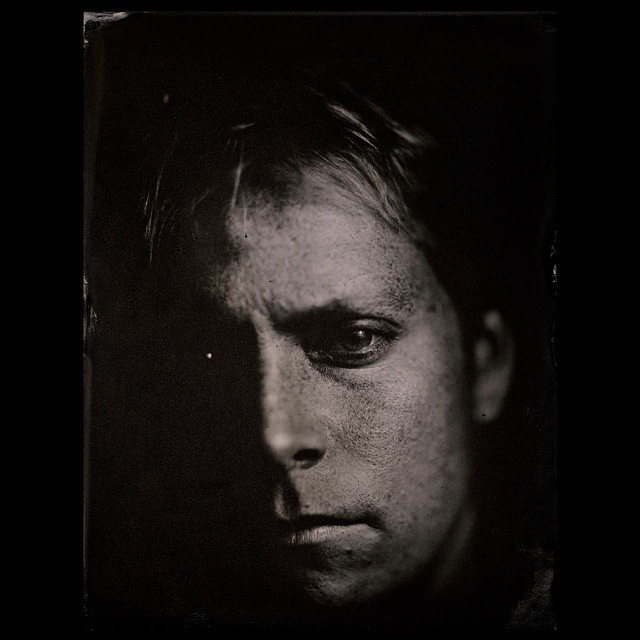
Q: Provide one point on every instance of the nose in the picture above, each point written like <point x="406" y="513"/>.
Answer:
<point x="292" y="436"/>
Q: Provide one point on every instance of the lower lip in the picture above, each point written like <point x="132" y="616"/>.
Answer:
<point x="325" y="533"/>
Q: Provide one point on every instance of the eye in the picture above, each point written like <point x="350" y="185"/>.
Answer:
<point x="350" y="345"/>
<point x="356" y="340"/>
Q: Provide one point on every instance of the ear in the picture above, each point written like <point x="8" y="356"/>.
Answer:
<point x="493" y="357"/>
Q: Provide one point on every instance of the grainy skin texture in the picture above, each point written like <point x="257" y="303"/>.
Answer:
<point x="390" y="433"/>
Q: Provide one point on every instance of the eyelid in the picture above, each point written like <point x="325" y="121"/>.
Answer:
<point x="382" y="324"/>
<point x="370" y="322"/>
<point x="308" y="321"/>
<point x="381" y="327"/>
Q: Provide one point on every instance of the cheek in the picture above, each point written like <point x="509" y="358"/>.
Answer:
<point x="408" y="410"/>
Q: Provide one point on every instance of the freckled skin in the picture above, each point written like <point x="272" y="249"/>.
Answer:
<point x="393" y="431"/>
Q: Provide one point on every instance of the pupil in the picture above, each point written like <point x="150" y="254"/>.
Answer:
<point x="358" y="339"/>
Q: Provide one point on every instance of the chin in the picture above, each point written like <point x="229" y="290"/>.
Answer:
<point x="340" y="591"/>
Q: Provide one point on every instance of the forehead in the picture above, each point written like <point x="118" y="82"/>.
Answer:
<point x="313" y="253"/>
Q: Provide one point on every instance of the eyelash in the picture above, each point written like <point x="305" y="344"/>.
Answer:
<point x="329" y="347"/>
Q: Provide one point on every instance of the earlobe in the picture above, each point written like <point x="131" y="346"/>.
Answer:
<point x="493" y="358"/>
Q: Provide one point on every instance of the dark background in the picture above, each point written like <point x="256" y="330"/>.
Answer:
<point x="483" y="86"/>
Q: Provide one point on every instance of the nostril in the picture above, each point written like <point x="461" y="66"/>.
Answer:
<point x="307" y="457"/>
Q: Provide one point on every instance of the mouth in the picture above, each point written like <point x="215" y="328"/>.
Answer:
<point x="319" y="529"/>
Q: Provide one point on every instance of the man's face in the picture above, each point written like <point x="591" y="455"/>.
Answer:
<point x="364" y="402"/>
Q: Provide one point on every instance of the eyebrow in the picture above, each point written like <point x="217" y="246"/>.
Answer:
<point x="337" y="311"/>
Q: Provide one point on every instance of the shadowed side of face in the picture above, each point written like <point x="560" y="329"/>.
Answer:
<point x="361" y="387"/>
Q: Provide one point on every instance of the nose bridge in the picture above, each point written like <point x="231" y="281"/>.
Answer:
<point x="276" y="385"/>
<point x="290" y="432"/>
